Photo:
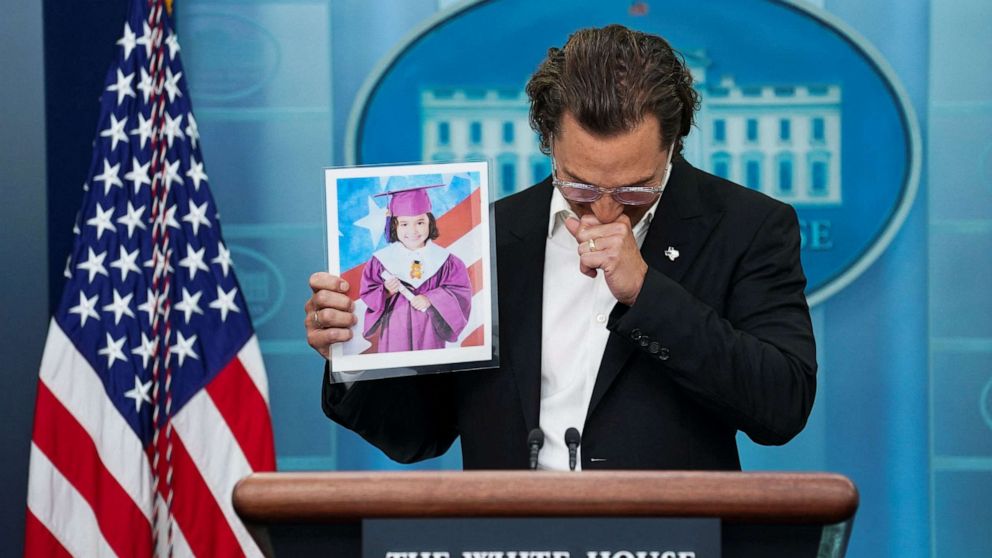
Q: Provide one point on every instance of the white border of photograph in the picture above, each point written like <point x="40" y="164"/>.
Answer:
<point x="482" y="302"/>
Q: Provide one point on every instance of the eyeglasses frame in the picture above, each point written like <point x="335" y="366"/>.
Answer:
<point x="600" y="191"/>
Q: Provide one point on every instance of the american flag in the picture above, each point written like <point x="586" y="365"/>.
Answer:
<point x="152" y="397"/>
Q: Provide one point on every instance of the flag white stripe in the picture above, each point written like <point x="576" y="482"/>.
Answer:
<point x="63" y="510"/>
<point x="180" y="548"/>
<point x="467" y="247"/>
<point x="206" y="436"/>
<point x="76" y="385"/>
<point x="251" y="358"/>
<point x="474" y="319"/>
<point x="467" y="250"/>
<point x="358" y="343"/>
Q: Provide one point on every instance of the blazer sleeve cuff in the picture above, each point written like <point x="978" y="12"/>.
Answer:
<point x="659" y="323"/>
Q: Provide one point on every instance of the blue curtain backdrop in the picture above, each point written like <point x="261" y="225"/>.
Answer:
<point x="905" y="400"/>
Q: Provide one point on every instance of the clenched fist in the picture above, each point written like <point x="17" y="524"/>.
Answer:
<point x="613" y="250"/>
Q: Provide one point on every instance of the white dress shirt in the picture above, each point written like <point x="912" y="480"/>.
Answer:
<point x="574" y="314"/>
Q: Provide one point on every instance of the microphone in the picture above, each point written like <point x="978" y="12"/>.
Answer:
<point x="572" y="440"/>
<point x="535" y="441"/>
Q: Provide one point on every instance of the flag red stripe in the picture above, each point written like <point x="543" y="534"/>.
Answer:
<point x="354" y="277"/>
<point x="459" y="220"/>
<point x="474" y="339"/>
<point x="475" y="276"/>
<point x="195" y="509"/>
<point x="69" y="447"/>
<point x="243" y="408"/>
<point x="39" y="541"/>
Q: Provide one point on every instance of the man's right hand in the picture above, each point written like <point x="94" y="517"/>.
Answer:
<point x="329" y="313"/>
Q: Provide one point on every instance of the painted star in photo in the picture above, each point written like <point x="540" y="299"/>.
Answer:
<point x="374" y="221"/>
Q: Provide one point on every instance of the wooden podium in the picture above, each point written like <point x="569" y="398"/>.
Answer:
<point x="763" y="514"/>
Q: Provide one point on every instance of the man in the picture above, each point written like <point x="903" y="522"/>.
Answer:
<point x="656" y="308"/>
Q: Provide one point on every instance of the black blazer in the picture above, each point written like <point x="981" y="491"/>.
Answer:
<point x="719" y="340"/>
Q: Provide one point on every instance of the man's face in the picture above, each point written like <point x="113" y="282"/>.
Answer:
<point x="413" y="231"/>
<point x="634" y="158"/>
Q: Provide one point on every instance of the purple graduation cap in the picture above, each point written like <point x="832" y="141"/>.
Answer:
<point x="407" y="203"/>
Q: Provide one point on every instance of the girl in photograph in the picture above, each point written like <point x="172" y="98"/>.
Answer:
<point x="418" y="294"/>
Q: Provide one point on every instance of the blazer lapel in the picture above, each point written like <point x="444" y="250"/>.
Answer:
<point x="679" y="228"/>
<point x="521" y="269"/>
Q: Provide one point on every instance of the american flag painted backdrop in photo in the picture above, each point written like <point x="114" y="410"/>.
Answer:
<point x="152" y="397"/>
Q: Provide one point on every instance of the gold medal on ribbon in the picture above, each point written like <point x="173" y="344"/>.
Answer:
<point x="416" y="270"/>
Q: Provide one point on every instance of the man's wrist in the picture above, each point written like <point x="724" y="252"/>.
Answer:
<point x="641" y="274"/>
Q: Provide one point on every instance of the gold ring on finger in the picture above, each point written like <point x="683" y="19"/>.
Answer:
<point x="316" y="321"/>
<point x="592" y="244"/>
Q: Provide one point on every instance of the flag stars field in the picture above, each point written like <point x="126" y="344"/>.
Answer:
<point x="132" y="220"/>
<point x="94" y="264"/>
<point x="196" y="216"/>
<point x="173" y="43"/>
<point x="101" y="220"/>
<point x="223" y="258"/>
<point x="192" y="132"/>
<point x="195" y="173"/>
<point x="145" y="39"/>
<point x="193" y="261"/>
<point x="116" y="130"/>
<point x="170" y="218"/>
<point x="110" y="176"/>
<point x="126" y="263"/>
<point x="146" y="349"/>
<point x="144" y="129"/>
<point x="225" y="302"/>
<point x="139" y="393"/>
<point x="172" y="85"/>
<point x="148" y="306"/>
<point x="173" y="128"/>
<point x="122" y="86"/>
<point x="86" y="308"/>
<point x="127" y="41"/>
<point x="113" y="350"/>
<point x="184" y="348"/>
<point x="120" y="307"/>
<point x="190" y="304"/>
<point x="138" y="174"/>
<point x="172" y="172"/>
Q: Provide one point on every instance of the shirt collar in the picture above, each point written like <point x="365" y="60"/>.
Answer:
<point x="560" y="210"/>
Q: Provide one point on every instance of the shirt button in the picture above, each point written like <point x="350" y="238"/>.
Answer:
<point x="601" y="318"/>
<point x="654" y="347"/>
<point x="643" y="342"/>
<point x="635" y="334"/>
<point x="663" y="353"/>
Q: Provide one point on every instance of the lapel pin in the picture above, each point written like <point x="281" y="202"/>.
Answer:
<point x="672" y="253"/>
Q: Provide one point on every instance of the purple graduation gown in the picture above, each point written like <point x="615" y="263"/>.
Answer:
<point x="403" y="328"/>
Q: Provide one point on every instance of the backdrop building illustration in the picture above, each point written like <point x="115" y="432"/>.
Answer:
<point x="783" y="140"/>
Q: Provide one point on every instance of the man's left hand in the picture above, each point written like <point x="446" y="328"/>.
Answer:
<point x="616" y="253"/>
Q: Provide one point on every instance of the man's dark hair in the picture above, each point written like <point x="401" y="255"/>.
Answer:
<point x="609" y="79"/>
<point x="432" y="234"/>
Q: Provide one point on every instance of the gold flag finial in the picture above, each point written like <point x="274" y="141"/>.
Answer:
<point x="168" y="6"/>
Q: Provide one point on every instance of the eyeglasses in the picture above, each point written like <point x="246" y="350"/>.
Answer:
<point x="627" y="195"/>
